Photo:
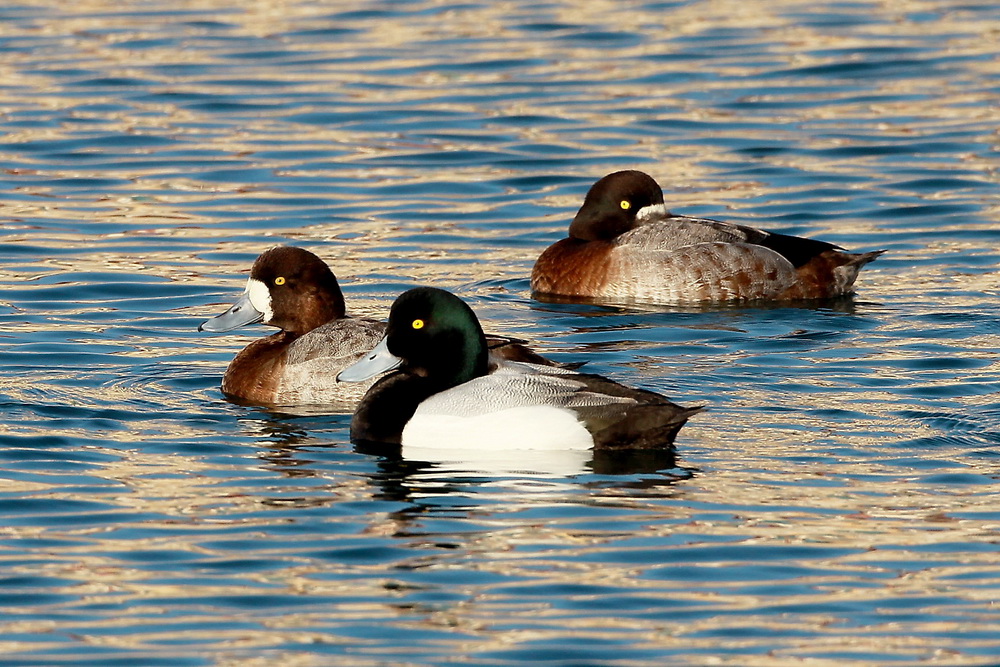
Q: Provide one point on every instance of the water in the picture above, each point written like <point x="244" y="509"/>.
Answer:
<point x="836" y="505"/>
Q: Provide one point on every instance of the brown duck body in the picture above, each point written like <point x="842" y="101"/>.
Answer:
<point x="625" y="246"/>
<point x="287" y="369"/>
<point x="703" y="272"/>
<point x="294" y="290"/>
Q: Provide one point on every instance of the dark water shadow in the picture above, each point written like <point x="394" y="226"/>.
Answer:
<point x="589" y="307"/>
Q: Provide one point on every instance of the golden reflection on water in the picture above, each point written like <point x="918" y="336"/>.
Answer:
<point x="765" y="480"/>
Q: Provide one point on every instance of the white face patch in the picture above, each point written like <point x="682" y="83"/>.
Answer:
<point x="260" y="298"/>
<point x="650" y="212"/>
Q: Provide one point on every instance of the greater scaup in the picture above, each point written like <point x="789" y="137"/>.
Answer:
<point x="625" y="246"/>
<point x="447" y="393"/>
<point x="294" y="290"/>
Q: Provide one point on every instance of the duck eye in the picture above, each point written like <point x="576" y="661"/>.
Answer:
<point x="625" y="204"/>
<point x="418" y="324"/>
<point x="280" y="280"/>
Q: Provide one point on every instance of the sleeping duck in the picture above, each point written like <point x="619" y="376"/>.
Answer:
<point x="624" y="246"/>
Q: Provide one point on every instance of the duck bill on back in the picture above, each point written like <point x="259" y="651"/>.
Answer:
<point x="239" y="314"/>
<point x="379" y="360"/>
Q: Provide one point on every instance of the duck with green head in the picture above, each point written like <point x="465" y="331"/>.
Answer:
<point x="446" y="392"/>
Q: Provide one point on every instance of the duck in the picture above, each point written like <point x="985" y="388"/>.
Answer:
<point x="625" y="246"/>
<point x="443" y="391"/>
<point x="294" y="290"/>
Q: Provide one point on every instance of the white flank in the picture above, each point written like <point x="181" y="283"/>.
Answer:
<point x="520" y="428"/>
<point x="524" y="439"/>
<point x="260" y="298"/>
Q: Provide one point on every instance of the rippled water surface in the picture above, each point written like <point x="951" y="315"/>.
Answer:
<point x="838" y="503"/>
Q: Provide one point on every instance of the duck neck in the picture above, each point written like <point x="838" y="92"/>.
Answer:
<point x="388" y="405"/>
<point x="467" y="359"/>
<point x="393" y="399"/>
<point x="328" y="306"/>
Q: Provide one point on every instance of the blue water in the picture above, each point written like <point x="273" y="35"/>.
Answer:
<point x="836" y="505"/>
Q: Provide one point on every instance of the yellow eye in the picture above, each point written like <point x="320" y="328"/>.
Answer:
<point x="418" y="324"/>
<point x="626" y="204"/>
<point x="280" y="280"/>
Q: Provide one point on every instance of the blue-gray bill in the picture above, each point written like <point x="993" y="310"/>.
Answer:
<point x="379" y="360"/>
<point x="239" y="314"/>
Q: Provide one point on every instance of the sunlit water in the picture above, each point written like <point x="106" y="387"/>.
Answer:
<point x="837" y="504"/>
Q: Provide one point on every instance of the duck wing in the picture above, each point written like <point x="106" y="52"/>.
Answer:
<point x="702" y="272"/>
<point x="618" y="417"/>
<point x="337" y="340"/>
<point x="647" y="421"/>
<point x="515" y="384"/>
<point x="514" y="349"/>
<point x="315" y="358"/>
<point x="671" y="232"/>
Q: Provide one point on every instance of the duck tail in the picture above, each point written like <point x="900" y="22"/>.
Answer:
<point x="830" y="274"/>
<point x="862" y="258"/>
<point x="847" y="269"/>
<point x="651" y="427"/>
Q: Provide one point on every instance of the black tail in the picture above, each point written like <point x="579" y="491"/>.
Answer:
<point x="796" y="249"/>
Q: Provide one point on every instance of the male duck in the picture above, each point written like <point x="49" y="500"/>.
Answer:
<point x="624" y="245"/>
<point x="294" y="290"/>
<point x="447" y="392"/>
